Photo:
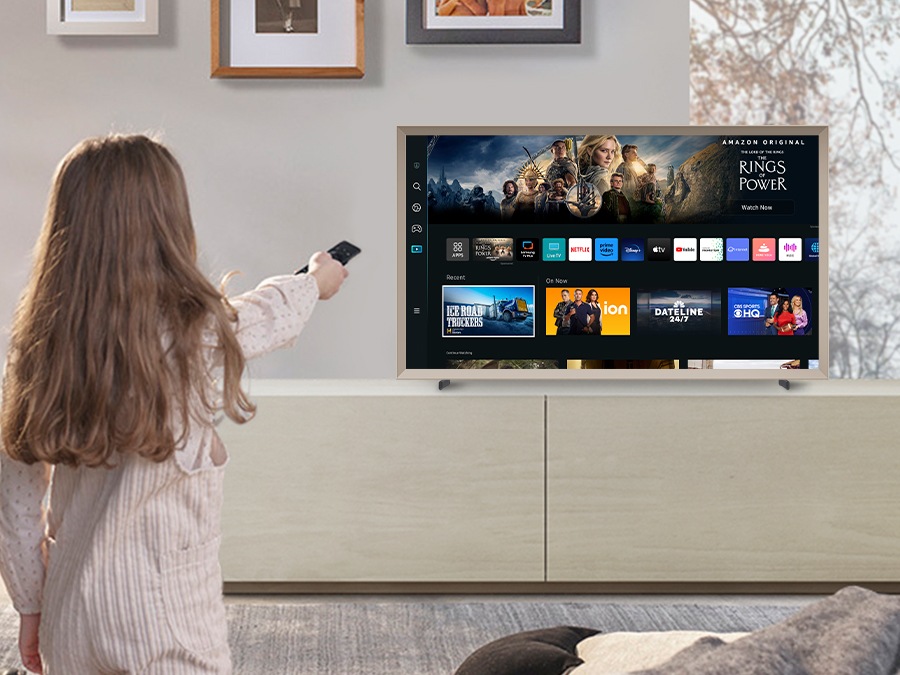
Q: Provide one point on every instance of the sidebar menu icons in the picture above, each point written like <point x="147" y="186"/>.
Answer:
<point x="416" y="250"/>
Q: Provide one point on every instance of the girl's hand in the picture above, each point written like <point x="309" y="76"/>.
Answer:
<point x="28" y="642"/>
<point x="329" y="273"/>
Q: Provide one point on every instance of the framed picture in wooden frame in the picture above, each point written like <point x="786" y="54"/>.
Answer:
<point x="493" y="21"/>
<point x="287" y="38"/>
<point x="102" y="17"/>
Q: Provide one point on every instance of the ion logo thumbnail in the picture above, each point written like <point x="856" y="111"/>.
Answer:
<point x="790" y="250"/>
<point x="612" y="314"/>
<point x="737" y="250"/>
<point x="633" y="250"/>
<point x="659" y="249"/>
<point x="764" y="250"/>
<point x="606" y="250"/>
<point x="527" y="249"/>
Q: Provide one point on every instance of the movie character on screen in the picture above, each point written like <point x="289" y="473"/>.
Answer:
<point x="540" y="202"/>
<point x="614" y="207"/>
<point x="631" y="168"/>
<point x="477" y="201"/>
<point x="597" y="155"/>
<point x="801" y="318"/>
<point x="769" y="317"/>
<point x="648" y="209"/>
<point x="580" y="315"/>
<point x="556" y="199"/>
<point x="593" y="299"/>
<point x="562" y="165"/>
<point x="561" y="312"/>
<point x="445" y="198"/>
<point x="527" y="198"/>
<point x="657" y="191"/>
<point x="784" y="318"/>
<point x="508" y="203"/>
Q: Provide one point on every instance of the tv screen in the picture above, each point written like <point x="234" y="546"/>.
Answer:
<point x="678" y="252"/>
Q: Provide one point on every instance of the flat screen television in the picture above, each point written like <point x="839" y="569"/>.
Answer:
<point x="619" y="252"/>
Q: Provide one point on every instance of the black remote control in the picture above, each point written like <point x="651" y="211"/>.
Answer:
<point x="341" y="252"/>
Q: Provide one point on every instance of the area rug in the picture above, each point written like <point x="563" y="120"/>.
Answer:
<point x="372" y="637"/>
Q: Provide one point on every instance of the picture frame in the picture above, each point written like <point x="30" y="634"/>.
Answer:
<point x="561" y="25"/>
<point x="308" y="39"/>
<point x="102" y="17"/>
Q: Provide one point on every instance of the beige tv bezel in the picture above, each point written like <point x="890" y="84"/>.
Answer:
<point x="404" y="199"/>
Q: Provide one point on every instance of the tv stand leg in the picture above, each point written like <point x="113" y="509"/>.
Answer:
<point x="784" y="383"/>
<point x="443" y="384"/>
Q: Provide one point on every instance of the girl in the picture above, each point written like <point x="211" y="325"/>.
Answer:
<point x="121" y="354"/>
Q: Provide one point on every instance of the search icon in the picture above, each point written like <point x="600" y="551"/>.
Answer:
<point x="417" y="186"/>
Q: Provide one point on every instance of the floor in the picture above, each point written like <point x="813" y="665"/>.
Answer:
<point x="302" y="630"/>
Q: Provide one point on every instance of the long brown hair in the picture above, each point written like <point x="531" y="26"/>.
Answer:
<point x="107" y="348"/>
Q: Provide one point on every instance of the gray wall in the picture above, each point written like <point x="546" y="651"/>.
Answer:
<point x="268" y="162"/>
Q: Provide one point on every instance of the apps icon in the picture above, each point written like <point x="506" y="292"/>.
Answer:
<point x="684" y="249"/>
<point x="458" y="249"/>
<point x="737" y="249"/>
<point x="790" y="250"/>
<point x="581" y="249"/>
<point x="632" y="250"/>
<point x="659" y="249"/>
<point x="606" y="249"/>
<point x="764" y="250"/>
<point x="553" y="249"/>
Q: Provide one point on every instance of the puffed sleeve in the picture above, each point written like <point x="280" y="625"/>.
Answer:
<point x="22" y="520"/>
<point x="273" y="314"/>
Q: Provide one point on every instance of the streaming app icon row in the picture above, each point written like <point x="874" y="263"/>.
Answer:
<point x="612" y="249"/>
